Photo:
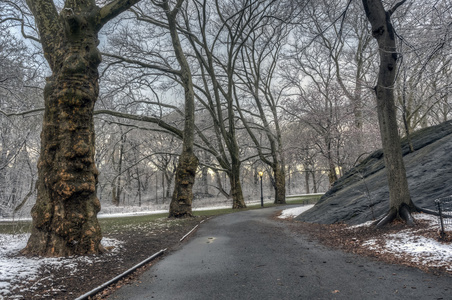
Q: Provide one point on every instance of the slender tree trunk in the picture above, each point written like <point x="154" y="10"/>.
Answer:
<point x="289" y="185"/>
<point x="169" y="181"/>
<point x="181" y="202"/>
<point x="238" y="201"/>
<point x="332" y="175"/>
<point x="117" y="182"/>
<point x="163" y="184"/>
<point x="314" y="181"/>
<point x="204" y="181"/>
<point x="280" y="184"/>
<point x="306" y="178"/>
<point x="383" y="32"/>
<point x="220" y="184"/>
<point x="139" y="187"/>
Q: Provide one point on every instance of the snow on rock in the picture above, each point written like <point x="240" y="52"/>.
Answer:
<point x="294" y="212"/>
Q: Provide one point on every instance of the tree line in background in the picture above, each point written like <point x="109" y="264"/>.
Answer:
<point x="233" y="87"/>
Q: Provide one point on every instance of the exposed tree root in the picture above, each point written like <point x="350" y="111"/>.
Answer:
<point x="403" y="213"/>
<point x="388" y="218"/>
<point x="427" y="211"/>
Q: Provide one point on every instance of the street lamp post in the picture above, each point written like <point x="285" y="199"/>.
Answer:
<point x="262" y="195"/>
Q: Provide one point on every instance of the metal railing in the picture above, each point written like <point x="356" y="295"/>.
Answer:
<point x="444" y="206"/>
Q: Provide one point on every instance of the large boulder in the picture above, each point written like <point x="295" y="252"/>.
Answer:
<point x="362" y="193"/>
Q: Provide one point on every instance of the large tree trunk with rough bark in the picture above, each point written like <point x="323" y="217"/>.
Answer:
<point x="65" y="214"/>
<point x="400" y="203"/>
<point x="181" y="203"/>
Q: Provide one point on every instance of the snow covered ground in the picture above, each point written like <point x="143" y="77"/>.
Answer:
<point x="420" y="250"/>
<point x="406" y="243"/>
<point x="16" y="269"/>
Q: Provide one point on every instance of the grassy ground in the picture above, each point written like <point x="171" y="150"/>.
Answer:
<point x="112" y="224"/>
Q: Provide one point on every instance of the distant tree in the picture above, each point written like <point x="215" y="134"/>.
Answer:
<point x="20" y="84"/>
<point x="65" y="214"/>
<point x="259" y="84"/>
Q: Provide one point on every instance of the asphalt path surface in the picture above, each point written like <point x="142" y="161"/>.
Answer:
<point x="249" y="255"/>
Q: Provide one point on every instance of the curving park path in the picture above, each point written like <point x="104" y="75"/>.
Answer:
<point x="248" y="255"/>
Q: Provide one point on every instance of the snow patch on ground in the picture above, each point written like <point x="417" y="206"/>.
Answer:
<point x="406" y="243"/>
<point x="15" y="269"/>
<point x="419" y="249"/>
<point x="294" y="212"/>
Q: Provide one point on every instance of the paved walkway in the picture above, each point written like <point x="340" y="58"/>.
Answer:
<point x="247" y="255"/>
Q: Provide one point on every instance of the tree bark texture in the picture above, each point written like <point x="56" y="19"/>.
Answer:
<point x="383" y="32"/>
<point x="280" y="184"/>
<point x="181" y="202"/>
<point x="65" y="214"/>
<point x="238" y="201"/>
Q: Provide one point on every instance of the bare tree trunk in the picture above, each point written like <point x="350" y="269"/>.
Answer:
<point x="332" y="175"/>
<point x="65" y="214"/>
<point x="306" y="178"/>
<point x="289" y="185"/>
<point x="114" y="195"/>
<point x="181" y="202"/>
<point x="169" y="181"/>
<point x="280" y="184"/>
<point x="139" y="186"/>
<point x="314" y="181"/>
<point x="383" y="32"/>
<point x="205" y="181"/>
<point x="116" y="184"/>
<point x="220" y="184"/>
<point x="236" y="188"/>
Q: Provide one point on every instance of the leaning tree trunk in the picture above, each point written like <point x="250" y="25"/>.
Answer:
<point x="400" y="202"/>
<point x="181" y="202"/>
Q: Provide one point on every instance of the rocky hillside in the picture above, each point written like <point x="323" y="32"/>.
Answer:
<point x="362" y="194"/>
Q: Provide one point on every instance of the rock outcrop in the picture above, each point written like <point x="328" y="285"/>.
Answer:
<point x="362" y="194"/>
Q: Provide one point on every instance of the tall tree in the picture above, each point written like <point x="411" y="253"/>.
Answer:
<point x="65" y="214"/>
<point x="260" y="58"/>
<point x="217" y="31"/>
<point x="400" y="203"/>
<point x="181" y="202"/>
